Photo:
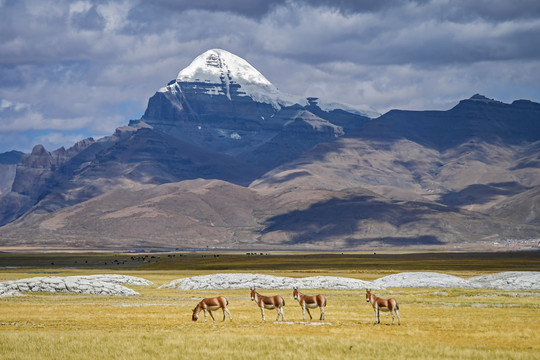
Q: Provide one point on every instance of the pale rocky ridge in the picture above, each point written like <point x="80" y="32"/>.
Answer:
<point x="514" y="280"/>
<point x="92" y="284"/>
<point x="112" y="284"/>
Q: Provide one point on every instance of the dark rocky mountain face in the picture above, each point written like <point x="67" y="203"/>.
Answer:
<point x="236" y="125"/>
<point x="296" y="137"/>
<point x="221" y="158"/>
<point x="10" y="157"/>
<point x="477" y="117"/>
<point x="8" y="165"/>
<point x="215" y="122"/>
<point x="149" y="156"/>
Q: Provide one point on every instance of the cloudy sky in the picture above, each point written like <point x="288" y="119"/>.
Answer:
<point x="73" y="69"/>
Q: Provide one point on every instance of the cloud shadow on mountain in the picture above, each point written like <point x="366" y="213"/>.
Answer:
<point x="481" y="193"/>
<point x="288" y="177"/>
<point x="342" y="217"/>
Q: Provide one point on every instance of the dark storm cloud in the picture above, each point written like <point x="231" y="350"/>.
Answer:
<point x="493" y="10"/>
<point x="455" y="10"/>
<point x="423" y="33"/>
<point x="249" y="8"/>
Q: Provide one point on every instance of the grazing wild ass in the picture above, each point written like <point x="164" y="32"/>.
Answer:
<point x="269" y="302"/>
<point x="310" y="302"/>
<point x="390" y="305"/>
<point x="211" y="304"/>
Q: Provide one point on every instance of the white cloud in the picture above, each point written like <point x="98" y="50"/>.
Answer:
<point x="55" y="140"/>
<point x="115" y="14"/>
<point x="79" y="7"/>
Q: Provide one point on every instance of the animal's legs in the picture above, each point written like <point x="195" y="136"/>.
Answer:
<point x="262" y="311"/>
<point x="214" y="320"/>
<point x="310" y="317"/>
<point x="398" y="319"/>
<point x="323" y="316"/>
<point x="228" y="312"/>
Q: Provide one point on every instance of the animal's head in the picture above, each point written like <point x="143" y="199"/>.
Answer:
<point x="195" y="315"/>
<point x="252" y="293"/>
<point x="295" y="293"/>
<point x="368" y="295"/>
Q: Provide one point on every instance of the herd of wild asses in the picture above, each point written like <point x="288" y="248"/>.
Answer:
<point x="306" y="302"/>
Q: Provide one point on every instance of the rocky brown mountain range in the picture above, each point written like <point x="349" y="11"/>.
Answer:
<point x="222" y="159"/>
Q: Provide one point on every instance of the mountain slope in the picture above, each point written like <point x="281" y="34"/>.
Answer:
<point x="189" y="214"/>
<point x="320" y="177"/>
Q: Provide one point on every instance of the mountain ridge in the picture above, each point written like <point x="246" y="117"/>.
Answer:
<point x="208" y="165"/>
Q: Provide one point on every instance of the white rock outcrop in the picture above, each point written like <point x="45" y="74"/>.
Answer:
<point x="515" y="280"/>
<point x="420" y="280"/>
<point x="510" y="280"/>
<point x="117" y="279"/>
<point x="113" y="284"/>
<point x="93" y="284"/>
<point x="245" y="281"/>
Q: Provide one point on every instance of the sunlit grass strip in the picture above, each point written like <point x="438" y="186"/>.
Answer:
<point x="436" y="323"/>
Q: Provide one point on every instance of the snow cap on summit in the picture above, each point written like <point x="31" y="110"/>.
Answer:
<point x="221" y="68"/>
<point x="217" y="65"/>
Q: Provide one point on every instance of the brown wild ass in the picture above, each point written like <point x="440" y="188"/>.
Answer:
<point x="310" y="302"/>
<point x="269" y="302"/>
<point x="390" y="305"/>
<point x="211" y="304"/>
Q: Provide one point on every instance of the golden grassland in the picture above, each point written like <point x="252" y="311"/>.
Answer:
<point x="436" y="323"/>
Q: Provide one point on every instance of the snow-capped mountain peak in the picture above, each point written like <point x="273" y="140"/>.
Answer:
<point x="217" y="65"/>
<point x="223" y="69"/>
<point x="218" y="72"/>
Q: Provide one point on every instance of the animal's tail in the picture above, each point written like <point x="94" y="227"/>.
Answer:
<point x="282" y="302"/>
<point x="227" y="301"/>
<point x="324" y="302"/>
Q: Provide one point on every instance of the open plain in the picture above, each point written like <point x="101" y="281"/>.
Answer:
<point x="436" y="323"/>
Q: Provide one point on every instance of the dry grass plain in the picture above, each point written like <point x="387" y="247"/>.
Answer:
<point x="436" y="323"/>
